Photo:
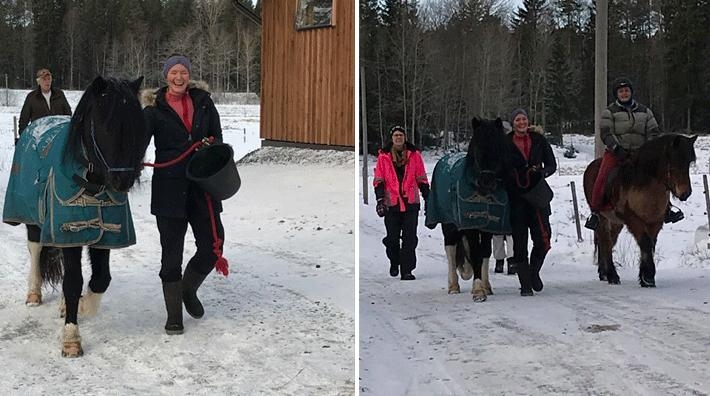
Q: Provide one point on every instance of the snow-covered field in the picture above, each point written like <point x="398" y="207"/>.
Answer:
<point x="578" y="336"/>
<point x="283" y="322"/>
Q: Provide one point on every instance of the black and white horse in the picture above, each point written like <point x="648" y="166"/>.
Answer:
<point x="69" y="182"/>
<point x="470" y="202"/>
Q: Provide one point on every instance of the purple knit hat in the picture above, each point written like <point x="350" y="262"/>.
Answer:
<point x="176" y="59"/>
<point x="515" y="113"/>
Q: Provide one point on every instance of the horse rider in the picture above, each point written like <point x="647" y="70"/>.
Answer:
<point x="399" y="179"/>
<point x="625" y="126"/>
<point x="533" y="154"/>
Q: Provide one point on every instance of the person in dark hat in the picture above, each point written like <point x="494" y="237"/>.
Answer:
<point x="625" y="126"/>
<point x="177" y="115"/>
<point x="533" y="157"/>
<point x="399" y="179"/>
<point x="41" y="102"/>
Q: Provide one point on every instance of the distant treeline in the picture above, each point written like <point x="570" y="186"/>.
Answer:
<point x="79" y="39"/>
<point x="433" y="65"/>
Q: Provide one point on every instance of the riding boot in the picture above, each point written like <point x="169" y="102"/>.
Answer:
<point x="512" y="267"/>
<point x="673" y="217"/>
<point x="173" y="304"/>
<point x="592" y="221"/>
<point x="499" y="267"/>
<point x="524" y="277"/>
<point x="535" y="266"/>
<point x="191" y="281"/>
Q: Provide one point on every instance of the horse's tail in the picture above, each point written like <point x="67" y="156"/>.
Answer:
<point x="51" y="265"/>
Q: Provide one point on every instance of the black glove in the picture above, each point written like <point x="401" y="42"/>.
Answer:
<point x="620" y="152"/>
<point x="381" y="208"/>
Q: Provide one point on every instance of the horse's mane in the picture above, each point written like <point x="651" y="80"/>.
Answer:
<point x="119" y="112"/>
<point x="650" y="159"/>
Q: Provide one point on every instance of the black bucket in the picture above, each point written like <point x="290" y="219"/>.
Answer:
<point x="214" y="170"/>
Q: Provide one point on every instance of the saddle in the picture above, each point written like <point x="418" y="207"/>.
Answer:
<point x="44" y="190"/>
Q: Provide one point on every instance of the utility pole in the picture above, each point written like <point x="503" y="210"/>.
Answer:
<point x="363" y="143"/>
<point x="600" y="71"/>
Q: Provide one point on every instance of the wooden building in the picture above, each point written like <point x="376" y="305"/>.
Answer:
<point x="308" y="72"/>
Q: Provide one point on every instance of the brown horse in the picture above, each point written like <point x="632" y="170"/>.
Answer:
<point x="640" y="196"/>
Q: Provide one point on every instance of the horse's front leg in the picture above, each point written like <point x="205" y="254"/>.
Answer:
<point x="72" y="284"/>
<point x="476" y="250"/>
<point x="606" y="235"/>
<point x="647" y="268"/>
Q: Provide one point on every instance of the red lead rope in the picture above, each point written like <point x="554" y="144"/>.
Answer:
<point x="221" y="265"/>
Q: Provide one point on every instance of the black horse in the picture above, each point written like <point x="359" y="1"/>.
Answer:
<point x="69" y="180"/>
<point x="470" y="202"/>
<point x="640" y="194"/>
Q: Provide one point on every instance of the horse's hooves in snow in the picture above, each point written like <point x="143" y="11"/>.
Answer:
<point x="454" y="289"/>
<point x="33" y="299"/>
<point x="479" y="298"/>
<point x="71" y="341"/>
<point x="602" y="277"/>
<point x="614" y="281"/>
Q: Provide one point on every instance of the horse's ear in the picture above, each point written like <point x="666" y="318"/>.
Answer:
<point x="475" y="122"/>
<point x="136" y="85"/>
<point x="99" y="84"/>
<point x="498" y="122"/>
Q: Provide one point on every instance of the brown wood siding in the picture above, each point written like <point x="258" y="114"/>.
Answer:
<point x="307" y="76"/>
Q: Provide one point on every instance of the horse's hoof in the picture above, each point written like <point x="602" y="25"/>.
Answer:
<point x="454" y="289"/>
<point x="647" y="283"/>
<point x="466" y="272"/>
<point x="72" y="349"/>
<point x="479" y="298"/>
<point x="602" y="277"/>
<point x="614" y="281"/>
<point x="33" y="299"/>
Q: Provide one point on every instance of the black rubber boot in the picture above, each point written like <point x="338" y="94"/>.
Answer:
<point x="172" y="292"/>
<point x="407" y="277"/>
<point x="394" y="270"/>
<point x="191" y="281"/>
<point x="512" y="267"/>
<point x="673" y="217"/>
<point x="592" y="221"/>
<point x="535" y="266"/>
<point x="524" y="278"/>
<point x="499" y="267"/>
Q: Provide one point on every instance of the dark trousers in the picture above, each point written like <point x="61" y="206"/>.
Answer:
<point x="525" y="217"/>
<point x="401" y="225"/>
<point x="172" y="241"/>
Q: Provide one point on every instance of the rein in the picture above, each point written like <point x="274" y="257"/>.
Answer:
<point x="100" y="155"/>
<point x="221" y="265"/>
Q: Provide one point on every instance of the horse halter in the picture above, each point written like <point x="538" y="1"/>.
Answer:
<point x="100" y="155"/>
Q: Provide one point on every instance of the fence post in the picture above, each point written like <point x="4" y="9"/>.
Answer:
<point x="576" y="212"/>
<point x="707" y="202"/>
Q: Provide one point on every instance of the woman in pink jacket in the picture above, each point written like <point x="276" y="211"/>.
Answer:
<point x="399" y="178"/>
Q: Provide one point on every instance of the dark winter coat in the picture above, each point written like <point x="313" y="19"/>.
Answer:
<point x="541" y="156"/>
<point x="173" y="195"/>
<point x="35" y="106"/>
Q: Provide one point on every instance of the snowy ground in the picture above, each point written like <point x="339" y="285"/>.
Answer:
<point x="281" y="323"/>
<point x="578" y="336"/>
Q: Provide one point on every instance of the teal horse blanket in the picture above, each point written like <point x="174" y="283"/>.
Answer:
<point x="454" y="199"/>
<point x="41" y="192"/>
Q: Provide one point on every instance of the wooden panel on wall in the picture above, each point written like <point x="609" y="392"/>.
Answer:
<point x="308" y="76"/>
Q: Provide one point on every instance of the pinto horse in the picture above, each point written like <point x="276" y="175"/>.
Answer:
<point x="640" y="194"/>
<point x="469" y="200"/>
<point x="69" y="179"/>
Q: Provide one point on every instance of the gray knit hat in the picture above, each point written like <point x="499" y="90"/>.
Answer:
<point x="515" y="113"/>
<point x="176" y="59"/>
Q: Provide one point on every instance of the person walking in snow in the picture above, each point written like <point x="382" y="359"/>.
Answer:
<point x="535" y="158"/>
<point x="399" y="179"/>
<point x="625" y="126"/>
<point x="177" y="115"/>
<point x="503" y="249"/>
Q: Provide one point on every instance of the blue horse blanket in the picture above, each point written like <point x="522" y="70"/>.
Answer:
<point x="454" y="199"/>
<point x="41" y="192"/>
